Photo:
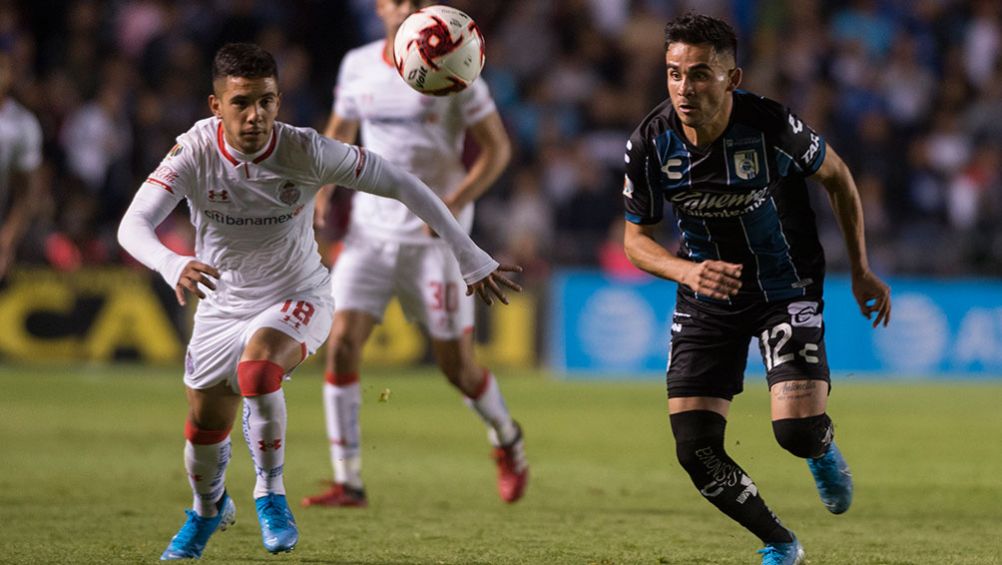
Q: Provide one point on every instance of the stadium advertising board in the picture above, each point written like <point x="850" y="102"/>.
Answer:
<point x="601" y="327"/>
<point x="123" y="314"/>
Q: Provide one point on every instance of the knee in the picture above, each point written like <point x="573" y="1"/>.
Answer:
<point x="346" y="347"/>
<point x="804" y="437"/>
<point x="452" y="368"/>
<point x="257" y="378"/>
<point x="699" y="434"/>
<point x="206" y="433"/>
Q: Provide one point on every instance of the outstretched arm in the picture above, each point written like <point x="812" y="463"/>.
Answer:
<point x="715" y="279"/>
<point x="375" y="175"/>
<point x="872" y="294"/>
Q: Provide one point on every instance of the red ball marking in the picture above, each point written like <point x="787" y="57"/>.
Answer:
<point x="435" y="41"/>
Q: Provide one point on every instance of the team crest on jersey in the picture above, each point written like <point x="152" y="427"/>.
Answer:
<point x="219" y="196"/>
<point x="289" y="194"/>
<point x="746" y="164"/>
<point x="175" y="151"/>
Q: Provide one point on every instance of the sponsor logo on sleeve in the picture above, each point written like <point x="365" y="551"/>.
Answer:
<point x="165" y="174"/>
<point x="627" y="187"/>
<point x="812" y="151"/>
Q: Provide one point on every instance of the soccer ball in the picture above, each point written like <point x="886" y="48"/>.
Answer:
<point x="438" y="50"/>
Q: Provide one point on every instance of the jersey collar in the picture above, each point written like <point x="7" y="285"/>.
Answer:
<point x="382" y="55"/>
<point x="236" y="157"/>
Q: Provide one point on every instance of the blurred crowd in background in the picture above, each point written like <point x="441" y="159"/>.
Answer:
<point x="909" y="92"/>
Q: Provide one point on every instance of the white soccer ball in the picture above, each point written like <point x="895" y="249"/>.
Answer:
<point x="439" y="50"/>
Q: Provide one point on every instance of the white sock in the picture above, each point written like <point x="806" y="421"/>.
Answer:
<point x="492" y="410"/>
<point x="264" y="430"/>
<point x="206" y="467"/>
<point x="341" y="406"/>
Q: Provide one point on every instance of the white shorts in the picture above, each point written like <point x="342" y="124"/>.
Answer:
<point x="425" y="278"/>
<point x="218" y="339"/>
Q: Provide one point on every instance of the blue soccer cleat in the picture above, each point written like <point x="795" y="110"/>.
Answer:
<point x="833" y="479"/>
<point x="791" y="553"/>
<point x="190" y="540"/>
<point x="278" y="527"/>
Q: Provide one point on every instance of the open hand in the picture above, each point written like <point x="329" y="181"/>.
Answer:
<point x="195" y="273"/>
<point x="489" y="288"/>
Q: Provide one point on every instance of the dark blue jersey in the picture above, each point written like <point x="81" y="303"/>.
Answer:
<point x="741" y="199"/>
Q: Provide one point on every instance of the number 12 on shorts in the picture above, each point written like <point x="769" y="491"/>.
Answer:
<point x="773" y="342"/>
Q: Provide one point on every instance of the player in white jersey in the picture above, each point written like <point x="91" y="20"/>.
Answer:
<point x="21" y="183"/>
<point x="250" y="184"/>
<point x="389" y="251"/>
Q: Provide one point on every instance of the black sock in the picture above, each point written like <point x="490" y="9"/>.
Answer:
<point x="699" y="444"/>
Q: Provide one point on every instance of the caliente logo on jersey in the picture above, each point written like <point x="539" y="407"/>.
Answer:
<point x="719" y="204"/>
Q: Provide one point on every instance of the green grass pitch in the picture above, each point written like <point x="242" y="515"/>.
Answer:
<point x="91" y="472"/>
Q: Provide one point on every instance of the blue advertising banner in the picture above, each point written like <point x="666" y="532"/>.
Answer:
<point x="602" y="326"/>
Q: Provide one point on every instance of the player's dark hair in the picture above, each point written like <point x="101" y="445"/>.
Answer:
<point x="244" y="60"/>
<point x="696" y="29"/>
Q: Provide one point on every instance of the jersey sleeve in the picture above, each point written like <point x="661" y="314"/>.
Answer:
<point x="800" y="150"/>
<point x="642" y="194"/>
<point x="175" y="172"/>
<point x="137" y="232"/>
<point x="354" y="167"/>
<point x="345" y="102"/>
<point x="475" y="102"/>
<point x="29" y="154"/>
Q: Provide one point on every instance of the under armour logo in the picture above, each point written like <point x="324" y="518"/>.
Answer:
<point x="219" y="196"/>
<point x="273" y="445"/>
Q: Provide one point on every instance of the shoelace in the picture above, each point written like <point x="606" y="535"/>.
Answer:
<point x="771" y="556"/>
<point x="827" y="468"/>
<point x="274" y="516"/>
<point x="189" y="530"/>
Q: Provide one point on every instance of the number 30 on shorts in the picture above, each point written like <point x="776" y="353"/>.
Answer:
<point x="775" y="340"/>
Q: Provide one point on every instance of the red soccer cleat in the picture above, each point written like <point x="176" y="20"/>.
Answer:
<point x="513" y="469"/>
<point x="339" y="495"/>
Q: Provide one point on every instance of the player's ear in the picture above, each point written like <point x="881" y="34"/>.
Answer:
<point x="735" y="78"/>
<point x="215" y="106"/>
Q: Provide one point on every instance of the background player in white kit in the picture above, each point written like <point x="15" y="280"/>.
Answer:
<point x="20" y="160"/>
<point x="250" y="183"/>
<point x="389" y="251"/>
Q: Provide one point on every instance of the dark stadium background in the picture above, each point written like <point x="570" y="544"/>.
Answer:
<point x="909" y="93"/>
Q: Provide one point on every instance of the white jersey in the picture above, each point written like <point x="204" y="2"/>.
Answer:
<point x="423" y="134"/>
<point x="253" y="214"/>
<point x="20" y="145"/>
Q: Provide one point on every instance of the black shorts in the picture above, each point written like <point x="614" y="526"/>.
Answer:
<point x="709" y="344"/>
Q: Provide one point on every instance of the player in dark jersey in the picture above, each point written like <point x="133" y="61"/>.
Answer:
<point x="733" y="165"/>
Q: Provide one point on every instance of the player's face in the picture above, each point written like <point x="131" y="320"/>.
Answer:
<point x="700" y="83"/>
<point x="248" y="107"/>
<point x="393" y="13"/>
